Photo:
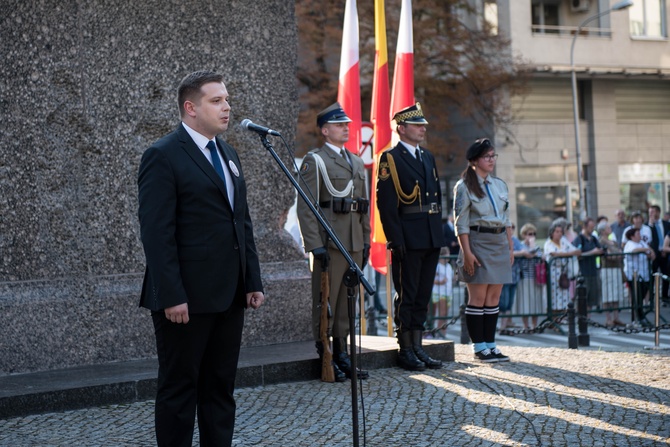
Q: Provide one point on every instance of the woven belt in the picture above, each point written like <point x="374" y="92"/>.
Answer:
<point x="492" y="230"/>
<point x="430" y="208"/>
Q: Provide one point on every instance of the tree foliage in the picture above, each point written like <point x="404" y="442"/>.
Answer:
<point x="460" y="65"/>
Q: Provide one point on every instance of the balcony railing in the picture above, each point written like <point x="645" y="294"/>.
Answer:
<point x="570" y="30"/>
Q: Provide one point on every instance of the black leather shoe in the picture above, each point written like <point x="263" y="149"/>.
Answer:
<point x="337" y="372"/>
<point x="340" y="376"/>
<point x="341" y="358"/>
<point x="407" y="359"/>
<point x="417" y="340"/>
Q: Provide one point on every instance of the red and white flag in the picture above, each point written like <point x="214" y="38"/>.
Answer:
<point x="403" y="77"/>
<point x="349" y="85"/>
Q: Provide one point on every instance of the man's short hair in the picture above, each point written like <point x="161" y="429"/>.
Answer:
<point x="189" y="87"/>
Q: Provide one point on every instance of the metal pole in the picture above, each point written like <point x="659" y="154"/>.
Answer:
<point x="572" y="334"/>
<point x="657" y="309"/>
<point x="583" y="338"/>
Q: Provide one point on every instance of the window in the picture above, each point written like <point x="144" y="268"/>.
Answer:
<point x="647" y="18"/>
<point x="545" y="17"/>
<point x="491" y="16"/>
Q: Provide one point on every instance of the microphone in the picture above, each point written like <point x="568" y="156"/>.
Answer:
<point x="249" y="125"/>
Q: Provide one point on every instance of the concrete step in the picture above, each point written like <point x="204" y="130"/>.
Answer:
<point x="123" y="382"/>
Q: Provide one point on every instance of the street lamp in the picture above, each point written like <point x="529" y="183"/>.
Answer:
<point x="616" y="7"/>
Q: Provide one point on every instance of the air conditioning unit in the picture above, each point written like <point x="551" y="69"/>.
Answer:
<point x="579" y="5"/>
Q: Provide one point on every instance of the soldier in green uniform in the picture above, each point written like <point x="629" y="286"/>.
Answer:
<point x="335" y="179"/>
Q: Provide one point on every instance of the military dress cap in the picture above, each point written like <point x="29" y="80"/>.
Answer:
<point x="334" y="113"/>
<point x="410" y="115"/>
<point x="478" y="148"/>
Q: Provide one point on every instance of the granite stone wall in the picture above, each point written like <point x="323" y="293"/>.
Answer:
<point x="85" y="87"/>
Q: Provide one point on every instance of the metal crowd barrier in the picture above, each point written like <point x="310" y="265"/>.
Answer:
<point x="541" y="300"/>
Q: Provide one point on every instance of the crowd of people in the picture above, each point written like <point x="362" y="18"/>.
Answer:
<point x="616" y="262"/>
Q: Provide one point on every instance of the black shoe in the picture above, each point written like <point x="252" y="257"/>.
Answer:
<point x="499" y="355"/>
<point x="407" y="358"/>
<point x="417" y="339"/>
<point x="337" y="372"/>
<point x="342" y="360"/>
<point x="486" y="356"/>
<point x="340" y="376"/>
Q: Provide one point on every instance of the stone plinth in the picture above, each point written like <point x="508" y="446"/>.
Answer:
<point x="84" y="89"/>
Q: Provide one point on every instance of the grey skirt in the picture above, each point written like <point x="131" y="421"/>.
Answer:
<point x="492" y="251"/>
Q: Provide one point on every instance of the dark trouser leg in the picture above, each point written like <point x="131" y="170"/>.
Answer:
<point x="413" y="280"/>
<point x="428" y="264"/>
<point x="197" y="366"/>
<point x="216" y="404"/>
<point x="179" y="355"/>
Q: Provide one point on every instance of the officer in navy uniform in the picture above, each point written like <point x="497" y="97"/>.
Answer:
<point x="336" y="181"/>
<point x="409" y="202"/>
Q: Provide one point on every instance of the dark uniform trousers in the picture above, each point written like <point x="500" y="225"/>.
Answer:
<point x="415" y="276"/>
<point x="416" y="226"/>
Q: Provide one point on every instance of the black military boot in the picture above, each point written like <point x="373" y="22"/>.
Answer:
<point x="339" y="375"/>
<point x="342" y="359"/>
<point x="417" y="340"/>
<point x="407" y="359"/>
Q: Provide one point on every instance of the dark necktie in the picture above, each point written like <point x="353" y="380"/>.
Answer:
<point x="417" y="154"/>
<point x="216" y="161"/>
<point x="343" y="152"/>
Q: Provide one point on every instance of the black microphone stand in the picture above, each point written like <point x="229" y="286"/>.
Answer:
<point x="351" y="279"/>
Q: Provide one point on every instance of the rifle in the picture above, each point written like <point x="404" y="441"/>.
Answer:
<point x="327" y="372"/>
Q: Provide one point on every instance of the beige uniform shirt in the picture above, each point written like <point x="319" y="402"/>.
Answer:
<point x="492" y="210"/>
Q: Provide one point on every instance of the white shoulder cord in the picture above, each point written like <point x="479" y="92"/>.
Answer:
<point x="321" y="166"/>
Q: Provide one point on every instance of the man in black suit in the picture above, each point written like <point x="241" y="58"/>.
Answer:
<point x="659" y="229"/>
<point x="202" y="268"/>
<point x="409" y="201"/>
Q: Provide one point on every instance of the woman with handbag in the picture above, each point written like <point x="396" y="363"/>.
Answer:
<point x="533" y="278"/>
<point x="558" y="253"/>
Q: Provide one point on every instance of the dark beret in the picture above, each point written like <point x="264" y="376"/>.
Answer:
<point x="478" y="148"/>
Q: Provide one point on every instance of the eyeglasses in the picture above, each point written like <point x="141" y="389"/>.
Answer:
<point x="490" y="157"/>
<point x="530" y="234"/>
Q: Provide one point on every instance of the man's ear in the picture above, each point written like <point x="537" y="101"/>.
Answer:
<point x="189" y="108"/>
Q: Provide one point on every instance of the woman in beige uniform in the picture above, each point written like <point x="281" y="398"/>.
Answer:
<point x="485" y="235"/>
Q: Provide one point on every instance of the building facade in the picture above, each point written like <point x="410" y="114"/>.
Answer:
<point x="622" y="65"/>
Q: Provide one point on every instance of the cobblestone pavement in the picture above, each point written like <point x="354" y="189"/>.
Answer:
<point x="544" y="397"/>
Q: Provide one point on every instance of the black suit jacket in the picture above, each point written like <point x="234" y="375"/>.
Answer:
<point x="654" y="236"/>
<point x="416" y="231"/>
<point x="197" y="247"/>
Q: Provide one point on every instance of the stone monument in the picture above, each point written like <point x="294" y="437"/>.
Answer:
<point x="85" y="88"/>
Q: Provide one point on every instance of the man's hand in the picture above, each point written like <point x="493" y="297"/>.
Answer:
<point x="398" y="251"/>
<point x="321" y="255"/>
<point x="178" y="313"/>
<point x="366" y="254"/>
<point x="255" y="299"/>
